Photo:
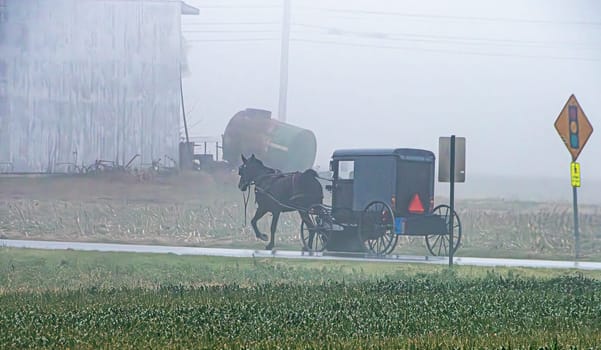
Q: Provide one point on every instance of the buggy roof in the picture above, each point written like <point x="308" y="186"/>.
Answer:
<point x="401" y="153"/>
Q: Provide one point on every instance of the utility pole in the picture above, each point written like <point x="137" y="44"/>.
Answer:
<point x="284" y="61"/>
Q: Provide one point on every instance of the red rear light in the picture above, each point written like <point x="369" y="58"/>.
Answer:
<point x="416" y="206"/>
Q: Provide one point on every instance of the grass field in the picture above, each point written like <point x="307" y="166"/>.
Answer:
<point x="115" y="300"/>
<point x="202" y="210"/>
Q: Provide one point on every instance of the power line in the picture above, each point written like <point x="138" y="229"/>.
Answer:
<point x="448" y="17"/>
<point x="230" y="31"/>
<point x="232" y="2"/>
<point x="195" y="124"/>
<point x="232" y="40"/>
<point x="474" y="53"/>
<point x="238" y="7"/>
<point x="408" y="37"/>
<point x="229" y="23"/>
<point x="464" y="40"/>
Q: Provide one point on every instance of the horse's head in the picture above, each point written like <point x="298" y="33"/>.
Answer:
<point x="249" y="171"/>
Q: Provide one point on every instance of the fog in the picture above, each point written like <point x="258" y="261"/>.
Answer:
<point x="401" y="74"/>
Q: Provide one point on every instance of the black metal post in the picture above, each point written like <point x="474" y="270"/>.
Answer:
<point x="576" y="233"/>
<point x="181" y="91"/>
<point x="452" y="200"/>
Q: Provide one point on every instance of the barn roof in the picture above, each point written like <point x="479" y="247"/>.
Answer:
<point x="189" y="10"/>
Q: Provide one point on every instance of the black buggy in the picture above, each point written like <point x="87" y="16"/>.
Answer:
<point x="377" y="196"/>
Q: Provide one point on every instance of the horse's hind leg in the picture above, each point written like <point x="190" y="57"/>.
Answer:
<point x="309" y="224"/>
<point x="258" y="215"/>
<point x="274" y="226"/>
<point x="305" y="217"/>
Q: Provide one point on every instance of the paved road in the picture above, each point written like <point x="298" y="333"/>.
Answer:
<point x="287" y="254"/>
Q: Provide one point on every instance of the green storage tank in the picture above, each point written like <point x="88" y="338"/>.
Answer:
<point x="279" y="145"/>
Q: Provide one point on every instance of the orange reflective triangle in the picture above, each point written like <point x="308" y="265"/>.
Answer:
<point x="415" y="206"/>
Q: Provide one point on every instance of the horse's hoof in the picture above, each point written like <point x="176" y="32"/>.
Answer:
<point x="269" y="247"/>
<point x="263" y="237"/>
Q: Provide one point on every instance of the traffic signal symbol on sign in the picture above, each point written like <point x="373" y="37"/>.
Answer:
<point x="573" y="127"/>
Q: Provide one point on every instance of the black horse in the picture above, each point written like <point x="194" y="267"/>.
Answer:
<point x="278" y="192"/>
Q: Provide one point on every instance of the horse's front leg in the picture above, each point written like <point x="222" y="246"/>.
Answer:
<point x="258" y="215"/>
<point x="274" y="226"/>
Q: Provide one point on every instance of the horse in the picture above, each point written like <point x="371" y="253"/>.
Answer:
<point x="278" y="192"/>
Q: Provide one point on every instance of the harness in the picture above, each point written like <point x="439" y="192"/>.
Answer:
<point x="262" y="189"/>
<point x="265" y="189"/>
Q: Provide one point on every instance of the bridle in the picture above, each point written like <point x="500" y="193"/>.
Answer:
<point x="245" y="198"/>
<point x="248" y="184"/>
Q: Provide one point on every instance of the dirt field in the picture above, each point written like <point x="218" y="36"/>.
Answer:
<point x="190" y="208"/>
<point x="114" y="186"/>
<point x="201" y="209"/>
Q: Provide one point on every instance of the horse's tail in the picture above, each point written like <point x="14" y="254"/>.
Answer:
<point x="311" y="172"/>
<point x="312" y="186"/>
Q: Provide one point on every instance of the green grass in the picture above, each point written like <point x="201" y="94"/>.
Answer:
<point x="41" y="270"/>
<point x="428" y="311"/>
<point x="68" y="299"/>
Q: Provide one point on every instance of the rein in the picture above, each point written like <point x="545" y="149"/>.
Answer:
<point x="245" y="199"/>
<point x="265" y="191"/>
<point x="325" y="178"/>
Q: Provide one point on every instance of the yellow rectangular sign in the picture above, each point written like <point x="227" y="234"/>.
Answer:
<point x="575" y="174"/>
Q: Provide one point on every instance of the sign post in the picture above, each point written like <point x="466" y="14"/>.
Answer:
<point x="451" y="169"/>
<point x="574" y="129"/>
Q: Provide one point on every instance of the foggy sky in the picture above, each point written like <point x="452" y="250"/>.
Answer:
<point x="495" y="72"/>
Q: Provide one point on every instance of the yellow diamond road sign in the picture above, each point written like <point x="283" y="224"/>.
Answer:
<point x="573" y="127"/>
<point x="575" y="174"/>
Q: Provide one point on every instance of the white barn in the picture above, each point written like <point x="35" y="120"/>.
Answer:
<point x="85" y="80"/>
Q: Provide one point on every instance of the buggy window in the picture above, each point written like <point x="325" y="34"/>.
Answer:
<point x="346" y="169"/>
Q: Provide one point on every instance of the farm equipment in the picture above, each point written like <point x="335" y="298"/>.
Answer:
<point x="280" y="145"/>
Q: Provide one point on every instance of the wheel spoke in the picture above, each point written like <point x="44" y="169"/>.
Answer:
<point x="443" y="244"/>
<point x="377" y="228"/>
<point x="314" y="229"/>
<point x="322" y="240"/>
<point x="387" y="238"/>
<point x="437" y="245"/>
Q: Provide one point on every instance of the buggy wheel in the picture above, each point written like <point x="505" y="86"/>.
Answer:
<point x="314" y="234"/>
<point x="376" y="228"/>
<point x="438" y="244"/>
